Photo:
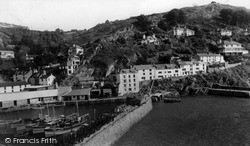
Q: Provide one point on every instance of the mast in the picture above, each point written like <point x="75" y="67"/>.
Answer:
<point x="77" y="108"/>
<point x="47" y="108"/>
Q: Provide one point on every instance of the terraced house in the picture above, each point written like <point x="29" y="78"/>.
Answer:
<point x="210" y="58"/>
<point x="232" y="47"/>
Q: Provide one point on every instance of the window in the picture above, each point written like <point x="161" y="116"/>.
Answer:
<point x="150" y="69"/>
<point x="134" y="84"/>
<point x="15" y="103"/>
<point x="134" y="76"/>
<point x="134" y="80"/>
<point x="169" y="72"/>
<point x="143" y="73"/>
<point x="124" y="85"/>
<point x="160" y="72"/>
<point x="129" y="80"/>
<point x="124" y="76"/>
<point x="143" y="78"/>
<point x="130" y="89"/>
<point x="129" y="85"/>
<point x="176" y="71"/>
<point x="124" y="81"/>
<point x="128" y="76"/>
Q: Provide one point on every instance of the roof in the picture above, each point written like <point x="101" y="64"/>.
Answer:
<point x="207" y="54"/>
<point x="107" y="90"/>
<point x="143" y="67"/>
<point x="165" y="66"/>
<point x="128" y="71"/>
<point x="75" y="92"/>
<point x="231" y="43"/>
<point x="13" y="84"/>
<point x="4" y="50"/>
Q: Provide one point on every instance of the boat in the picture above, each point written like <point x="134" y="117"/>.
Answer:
<point x="37" y="107"/>
<point x="171" y="97"/>
<point x="21" y="134"/>
<point x="171" y="100"/>
<point x="67" y="125"/>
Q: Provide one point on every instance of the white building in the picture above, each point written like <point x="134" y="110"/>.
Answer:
<point x="150" y="39"/>
<point x="10" y="87"/>
<point x="225" y="32"/>
<point x="47" y="79"/>
<point x="192" y="67"/>
<point x="7" y="54"/>
<point x="29" y="96"/>
<point x="75" y="50"/>
<point x="72" y="64"/>
<point x="177" y="31"/>
<point x="210" y="58"/>
<point x="128" y="81"/>
<point x="232" y="47"/>
<point x="145" y="72"/>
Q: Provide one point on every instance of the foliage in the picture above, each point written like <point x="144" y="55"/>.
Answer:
<point x="237" y="17"/>
<point x="142" y="23"/>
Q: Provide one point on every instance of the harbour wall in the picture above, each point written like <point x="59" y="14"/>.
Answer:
<point x="111" y="132"/>
<point x="229" y="92"/>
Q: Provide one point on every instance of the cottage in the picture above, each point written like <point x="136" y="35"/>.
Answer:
<point x="210" y="58"/>
<point x="77" y="94"/>
<point x="177" y="31"/>
<point x="150" y="40"/>
<point x="47" y="79"/>
<point x="6" y="54"/>
<point x="225" y="32"/>
<point x="23" y="75"/>
<point x="75" y="50"/>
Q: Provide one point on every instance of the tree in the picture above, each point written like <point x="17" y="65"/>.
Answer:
<point x="175" y="16"/>
<point x="142" y="23"/>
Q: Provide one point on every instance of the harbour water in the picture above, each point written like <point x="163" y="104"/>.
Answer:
<point x="203" y="120"/>
<point x="94" y="110"/>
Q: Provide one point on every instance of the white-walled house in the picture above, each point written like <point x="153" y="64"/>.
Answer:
<point x="75" y="50"/>
<point x="47" y="79"/>
<point x="10" y="87"/>
<point x="210" y="58"/>
<point x="128" y="81"/>
<point x="178" y="31"/>
<point x="72" y="64"/>
<point x="225" y="32"/>
<point x="232" y="47"/>
<point x="7" y="54"/>
<point x="145" y="72"/>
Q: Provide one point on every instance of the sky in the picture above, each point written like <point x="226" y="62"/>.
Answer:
<point x="84" y="14"/>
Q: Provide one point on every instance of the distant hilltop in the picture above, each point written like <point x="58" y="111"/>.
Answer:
<point x="7" y="25"/>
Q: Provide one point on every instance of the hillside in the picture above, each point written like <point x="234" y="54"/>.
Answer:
<point x="111" y="46"/>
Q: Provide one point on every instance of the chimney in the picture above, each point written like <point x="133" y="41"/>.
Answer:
<point x="44" y="72"/>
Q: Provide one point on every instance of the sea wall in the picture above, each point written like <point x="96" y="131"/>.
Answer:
<point x="229" y="92"/>
<point x="111" y="132"/>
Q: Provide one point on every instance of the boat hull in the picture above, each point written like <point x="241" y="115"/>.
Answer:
<point x="171" y="100"/>
<point x="62" y="131"/>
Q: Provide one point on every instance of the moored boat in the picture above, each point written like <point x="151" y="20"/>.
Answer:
<point x="67" y="125"/>
<point x="170" y="97"/>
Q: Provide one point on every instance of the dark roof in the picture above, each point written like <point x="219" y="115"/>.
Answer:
<point x="75" y="92"/>
<point x="13" y="84"/>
